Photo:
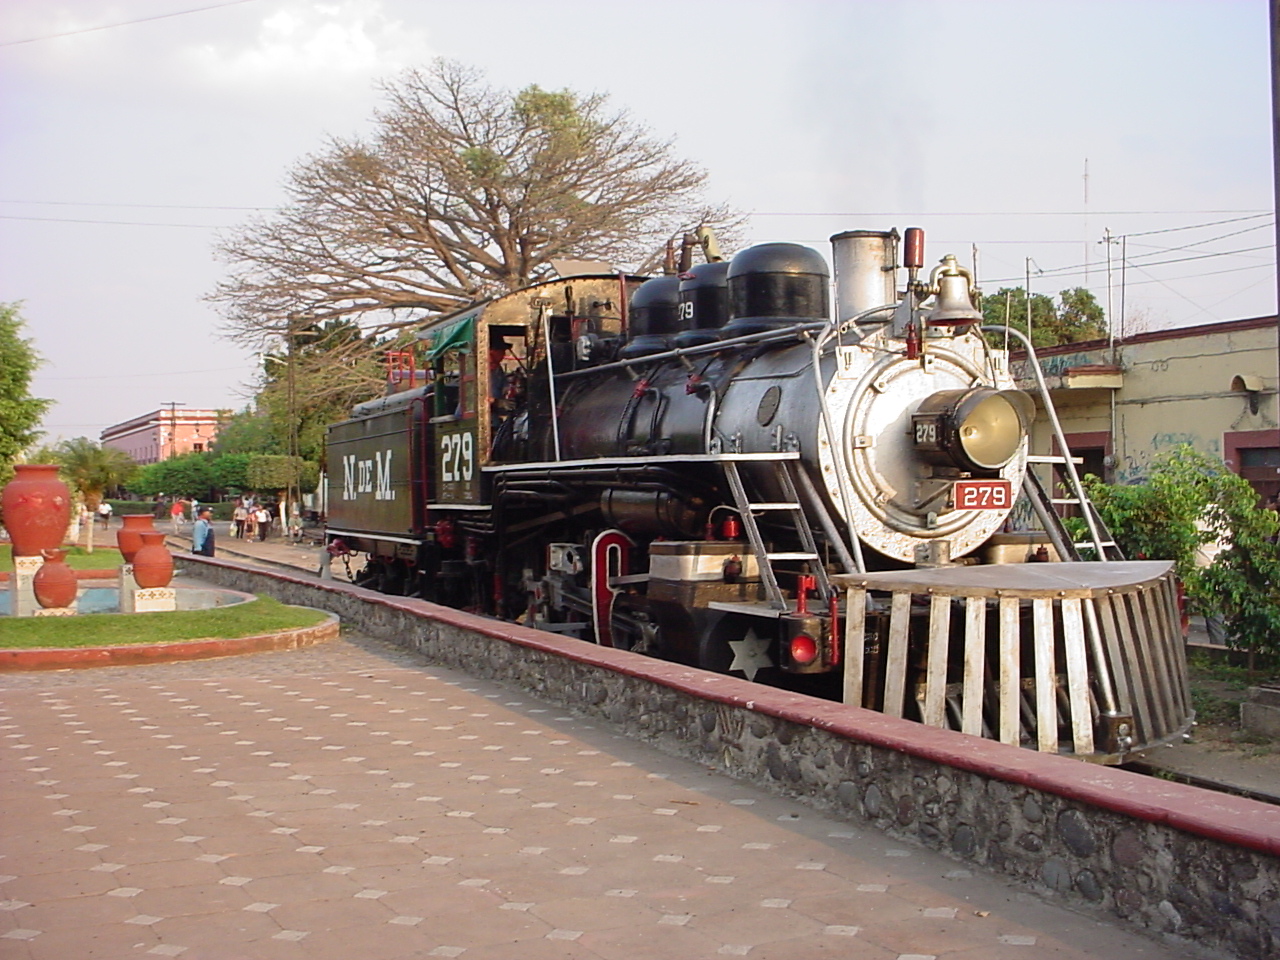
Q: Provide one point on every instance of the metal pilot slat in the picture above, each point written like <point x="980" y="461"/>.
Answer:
<point x="1122" y="682"/>
<point x="1169" y="599"/>
<point x="975" y="652"/>
<point x="1046" y="700"/>
<point x="855" y="628"/>
<point x="934" y="712"/>
<point x="1159" y="675"/>
<point x="1077" y="676"/>
<point x="896" y="656"/>
<point x="1010" y="672"/>
<point x="1134" y="655"/>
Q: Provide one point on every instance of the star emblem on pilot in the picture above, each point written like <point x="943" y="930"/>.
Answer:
<point x="750" y="654"/>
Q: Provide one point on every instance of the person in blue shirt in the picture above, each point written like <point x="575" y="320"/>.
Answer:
<point x="202" y="539"/>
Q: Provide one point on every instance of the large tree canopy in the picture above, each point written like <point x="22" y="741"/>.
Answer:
<point x="1077" y="317"/>
<point x="461" y="192"/>
<point x="20" y="413"/>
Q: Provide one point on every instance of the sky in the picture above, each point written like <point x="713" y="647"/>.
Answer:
<point x="134" y="132"/>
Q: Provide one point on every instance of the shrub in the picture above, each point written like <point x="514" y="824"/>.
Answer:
<point x="1191" y="500"/>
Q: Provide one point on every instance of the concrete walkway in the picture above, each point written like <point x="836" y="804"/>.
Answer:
<point x="350" y="801"/>
<point x="1239" y="767"/>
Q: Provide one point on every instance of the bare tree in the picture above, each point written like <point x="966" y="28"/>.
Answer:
<point x="463" y="191"/>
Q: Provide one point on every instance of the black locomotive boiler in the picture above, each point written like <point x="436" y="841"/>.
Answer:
<point x="718" y="468"/>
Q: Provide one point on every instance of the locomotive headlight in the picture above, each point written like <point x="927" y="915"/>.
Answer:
<point x="978" y="430"/>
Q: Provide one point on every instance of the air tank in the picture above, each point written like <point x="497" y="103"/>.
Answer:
<point x="774" y="285"/>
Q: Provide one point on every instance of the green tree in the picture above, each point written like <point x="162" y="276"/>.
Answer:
<point x="1190" y="500"/>
<point x="1076" y="317"/>
<point x="231" y="471"/>
<point x="188" y="475"/>
<point x="20" y="413"/>
<point x="91" y="469"/>
<point x="248" y="431"/>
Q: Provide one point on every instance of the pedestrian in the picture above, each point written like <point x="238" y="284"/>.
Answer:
<point x="239" y="517"/>
<point x="202" y="538"/>
<point x="263" y="520"/>
<point x="104" y="514"/>
<point x="175" y="512"/>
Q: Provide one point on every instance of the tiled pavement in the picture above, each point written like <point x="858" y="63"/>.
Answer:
<point x="348" y="801"/>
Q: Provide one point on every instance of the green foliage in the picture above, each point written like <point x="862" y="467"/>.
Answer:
<point x="20" y="413"/>
<point x="1191" y="500"/>
<point x="280" y="473"/>
<point x="246" y="432"/>
<point x="91" y="469"/>
<point x="231" y="471"/>
<point x="189" y="475"/>
<point x="1077" y="317"/>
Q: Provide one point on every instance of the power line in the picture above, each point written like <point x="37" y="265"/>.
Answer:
<point x="123" y="23"/>
<point x="1194" y="226"/>
<point x="134" y="206"/>
<point x="1077" y="268"/>
<point x="115" y="223"/>
<point x="134" y="376"/>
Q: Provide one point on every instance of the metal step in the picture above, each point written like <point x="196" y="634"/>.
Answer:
<point x="792" y="556"/>
<point x="761" y="507"/>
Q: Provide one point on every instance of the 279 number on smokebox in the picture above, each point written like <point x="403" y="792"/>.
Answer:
<point x="983" y="495"/>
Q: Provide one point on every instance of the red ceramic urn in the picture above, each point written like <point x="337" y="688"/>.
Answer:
<point x="152" y="564"/>
<point x="129" y="536"/>
<point x="37" y="509"/>
<point x="54" y="583"/>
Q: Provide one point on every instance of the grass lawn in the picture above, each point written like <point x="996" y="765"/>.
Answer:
<point x="102" y="558"/>
<point x="263" y="615"/>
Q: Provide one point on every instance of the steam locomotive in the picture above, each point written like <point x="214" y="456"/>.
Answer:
<point x="714" y="467"/>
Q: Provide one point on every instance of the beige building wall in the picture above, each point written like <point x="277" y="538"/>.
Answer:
<point x="1212" y="386"/>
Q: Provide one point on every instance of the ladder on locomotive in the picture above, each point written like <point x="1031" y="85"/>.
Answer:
<point x="750" y="509"/>
<point x="1043" y="502"/>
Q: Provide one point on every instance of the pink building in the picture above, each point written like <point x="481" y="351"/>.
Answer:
<point x="164" y="433"/>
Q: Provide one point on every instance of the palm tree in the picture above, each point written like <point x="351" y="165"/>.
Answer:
<point x="92" y="470"/>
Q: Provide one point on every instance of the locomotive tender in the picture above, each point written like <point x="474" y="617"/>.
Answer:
<point x="715" y="468"/>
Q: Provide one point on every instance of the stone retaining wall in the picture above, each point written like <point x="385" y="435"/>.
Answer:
<point x="1174" y="860"/>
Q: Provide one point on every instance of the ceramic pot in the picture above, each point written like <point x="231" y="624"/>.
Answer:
<point x="152" y="564"/>
<point x="37" y="509"/>
<point x="54" y="583"/>
<point x="129" y="536"/>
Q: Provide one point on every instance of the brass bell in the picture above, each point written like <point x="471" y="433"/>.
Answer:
<point x="953" y="301"/>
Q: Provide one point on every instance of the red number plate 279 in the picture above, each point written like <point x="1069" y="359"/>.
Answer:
<point x="983" y="495"/>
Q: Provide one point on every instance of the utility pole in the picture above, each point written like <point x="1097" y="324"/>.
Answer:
<point x="1111" y="322"/>
<point x="1275" y="149"/>
<point x="173" y="426"/>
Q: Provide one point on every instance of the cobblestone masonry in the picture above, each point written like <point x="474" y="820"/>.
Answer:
<point x="1160" y="856"/>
